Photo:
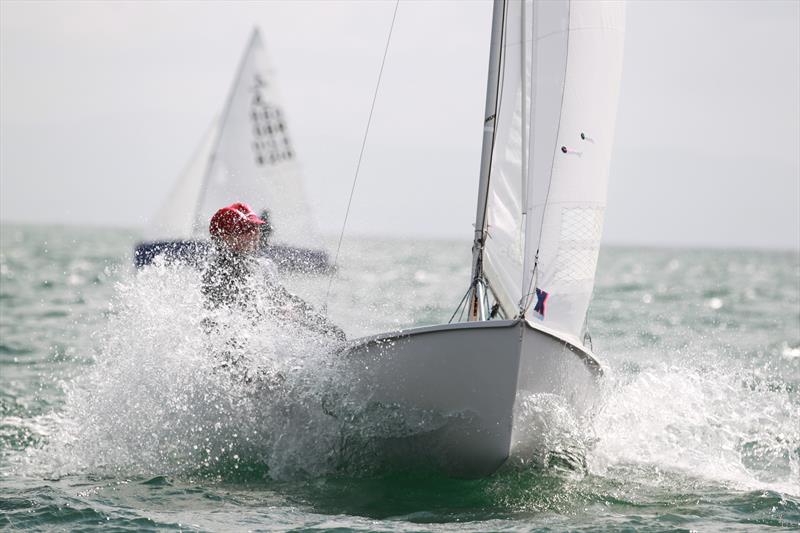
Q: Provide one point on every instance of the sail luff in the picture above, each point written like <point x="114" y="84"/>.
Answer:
<point x="476" y="300"/>
<point x="199" y="224"/>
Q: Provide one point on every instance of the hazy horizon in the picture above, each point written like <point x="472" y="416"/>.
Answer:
<point x="331" y="238"/>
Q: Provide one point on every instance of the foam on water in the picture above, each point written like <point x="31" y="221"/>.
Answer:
<point x="715" y="420"/>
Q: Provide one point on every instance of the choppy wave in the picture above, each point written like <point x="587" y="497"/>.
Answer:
<point x="159" y="401"/>
<point x="713" y="420"/>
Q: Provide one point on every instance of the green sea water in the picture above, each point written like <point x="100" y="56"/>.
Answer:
<point x="106" y="422"/>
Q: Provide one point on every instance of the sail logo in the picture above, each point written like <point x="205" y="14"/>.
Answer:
<point x="270" y="142"/>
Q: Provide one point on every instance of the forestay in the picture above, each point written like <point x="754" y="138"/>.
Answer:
<point x="254" y="160"/>
<point x="559" y="79"/>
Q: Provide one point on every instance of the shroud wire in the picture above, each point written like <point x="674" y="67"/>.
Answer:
<point x="360" y="157"/>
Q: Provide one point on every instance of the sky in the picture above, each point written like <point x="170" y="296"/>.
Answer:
<point x="102" y="104"/>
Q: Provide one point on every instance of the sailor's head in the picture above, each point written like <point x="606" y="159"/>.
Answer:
<point x="236" y="228"/>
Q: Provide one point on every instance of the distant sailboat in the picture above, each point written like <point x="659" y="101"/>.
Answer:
<point x="246" y="155"/>
<point x="554" y="75"/>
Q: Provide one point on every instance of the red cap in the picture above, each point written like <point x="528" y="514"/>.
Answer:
<point x="236" y="219"/>
<point x="247" y="210"/>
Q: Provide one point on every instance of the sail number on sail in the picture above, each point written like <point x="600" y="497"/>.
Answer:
<point x="270" y="140"/>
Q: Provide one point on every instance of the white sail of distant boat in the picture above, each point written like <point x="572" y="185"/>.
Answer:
<point x="247" y="155"/>
<point x="554" y="75"/>
<point x="177" y="216"/>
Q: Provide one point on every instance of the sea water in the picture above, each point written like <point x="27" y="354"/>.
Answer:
<point x="114" y="416"/>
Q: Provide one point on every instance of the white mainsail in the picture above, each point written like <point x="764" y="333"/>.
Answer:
<point x="559" y="79"/>
<point x="247" y="156"/>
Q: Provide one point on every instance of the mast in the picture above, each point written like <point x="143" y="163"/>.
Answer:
<point x="476" y="302"/>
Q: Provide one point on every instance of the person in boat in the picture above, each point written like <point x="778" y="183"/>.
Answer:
<point x="235" y="271"/>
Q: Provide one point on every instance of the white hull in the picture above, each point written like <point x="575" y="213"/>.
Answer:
<point x="468" y="378"/>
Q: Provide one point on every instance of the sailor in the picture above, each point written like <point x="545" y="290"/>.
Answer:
<point x="234" y="273"/>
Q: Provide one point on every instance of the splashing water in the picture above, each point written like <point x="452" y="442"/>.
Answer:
<point x="548" y="435"/>
<point x="718" y="422"/>
<point x="169" y="395"/>
<point x="164" y="397"/>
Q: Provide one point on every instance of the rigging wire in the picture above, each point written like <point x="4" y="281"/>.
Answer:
<point x="460" y="307"/>
<point x="360" y="156"/>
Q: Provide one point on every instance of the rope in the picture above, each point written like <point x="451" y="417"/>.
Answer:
<point x="360" y="156"/>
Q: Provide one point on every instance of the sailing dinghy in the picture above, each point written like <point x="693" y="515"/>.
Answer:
<point x="554" y="75"/>
<point x="246" y="155"/>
